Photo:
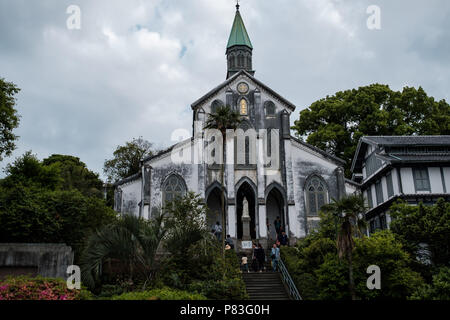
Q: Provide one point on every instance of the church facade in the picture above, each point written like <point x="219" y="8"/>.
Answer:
<point x="293" y="182"/>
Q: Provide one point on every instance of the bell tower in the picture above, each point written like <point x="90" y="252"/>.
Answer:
<point x="239" y="47"/>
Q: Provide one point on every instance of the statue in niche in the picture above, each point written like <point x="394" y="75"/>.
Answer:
<point x="245" y="213"/>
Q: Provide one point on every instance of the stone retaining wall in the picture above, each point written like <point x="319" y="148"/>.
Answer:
<point x="46" y="260"/>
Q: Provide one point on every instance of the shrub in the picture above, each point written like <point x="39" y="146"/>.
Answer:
<point x="160" y="294"/>
<point x="303" y="260"/>
<point x="439" y="288"/>
<point x="319" y="274"/>
<point x="206" y="272"/>
<point x="398" y="280"/>
<point x="27" y="288"/>
<point x="423" y="224"/>
<point x="230" y="289"/>
<point x="110" y="290"/>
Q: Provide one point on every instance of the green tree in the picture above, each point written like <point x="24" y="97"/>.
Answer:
<point x="75" y="175"/>
<point x="422" y="224"/>
<point x="33" y="215"/>
<point x="36" y="206"/>
<point x="336" y="123"/>
<point x="185" y="223"/>
<point x="187" y="240"/>
<point x="127" y="159"/>
<point x="348" y="212"/>
<point x="223" y="119"/>
<point x="398" y="280"/>
<point x="9" y="118"/>
<point x="27" y="170"/>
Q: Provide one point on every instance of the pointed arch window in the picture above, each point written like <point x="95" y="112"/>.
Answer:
<point x="270" y="108"/>
<point x="240" y="61"/>
<point x="316" y="195"/>
<point x="173" y="188"/>
<point x="243" y="107"/>
<point x="232" y="63"/>
<point x="244" y="147"/>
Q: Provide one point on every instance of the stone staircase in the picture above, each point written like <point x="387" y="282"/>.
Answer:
<point x="265" y="285"/>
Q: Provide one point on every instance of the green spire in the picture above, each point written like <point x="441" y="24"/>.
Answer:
<point x="239" y="35"/>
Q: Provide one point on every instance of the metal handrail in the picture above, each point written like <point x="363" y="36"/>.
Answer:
<point x="286" y="277"/>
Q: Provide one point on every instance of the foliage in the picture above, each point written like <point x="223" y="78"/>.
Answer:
<point x="230" y="289"/>
<point x="127" y="159"/>
<point x="336" y="123"/>
<point x="398" y="280"/>
<point x="348" y="213"/>
<point x="224" y="118"/>
<point x="332" y="279"/>
<point x="35" y="206"/>
<point x="132" y="241"/>
<point x="303" y="260"/>
<point x="9" y="118"/>
<point x="75" y="175"/>
<point x="215" y="286"/>
<point x="439" y="289"/>
<point x="185" y="223"/>
<point x="195" y="253"/>
<point x="318" y="272"/>
<point x="33" y="215"/>
<point x="28" y="171"/>
<point x="160" y="294"/>
<point x="422" y="224"/>
<point x="27" y="288"/>
<point x="110" y="290"/>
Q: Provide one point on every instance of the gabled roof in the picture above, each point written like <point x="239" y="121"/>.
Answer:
<point x="331" y="157"/>
<point x="407" y="140"/>
<point x="239" y="35"/>
<point x="131" y="178"/>
<point x="227" y="82"/>
<point x="422" y="158"/>
<point x="167" y="150"/>
<point x="399" y="141"/>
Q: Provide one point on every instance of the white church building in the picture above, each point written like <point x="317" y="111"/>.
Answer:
<point x="296" y="181"/>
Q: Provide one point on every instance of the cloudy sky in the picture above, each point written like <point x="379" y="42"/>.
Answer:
<point x="135" y="66"/>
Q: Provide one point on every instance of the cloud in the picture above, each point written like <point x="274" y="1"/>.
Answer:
<point x="135" y="66"/>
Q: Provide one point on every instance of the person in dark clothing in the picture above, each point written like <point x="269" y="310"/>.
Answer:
<point x="261" y="257"/>
<point x="254" y="259"/>
<point x="283" y="239"/>
<point x="229" y="241"/>
<point x="277" y="224"/>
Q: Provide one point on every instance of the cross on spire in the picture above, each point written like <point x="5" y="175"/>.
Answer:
<point x="237" y="5"/>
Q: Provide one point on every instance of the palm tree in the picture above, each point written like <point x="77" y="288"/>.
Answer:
<point x="348" y="212"/>
<point x="223" y="119"/>
<point x="131" y="240"/>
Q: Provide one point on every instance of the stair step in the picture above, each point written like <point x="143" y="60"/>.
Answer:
<point x="265" y="286"/>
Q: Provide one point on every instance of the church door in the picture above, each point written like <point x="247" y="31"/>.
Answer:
<point x="214" y="212"/>
<point x="274" y="209"/>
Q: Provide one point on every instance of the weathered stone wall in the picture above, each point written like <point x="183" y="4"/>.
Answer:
<point x="47" y="260"/>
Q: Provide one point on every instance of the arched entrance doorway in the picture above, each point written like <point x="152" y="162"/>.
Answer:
<point x="245" y="190"/>
<point x="274" y="209"/>
<point x="214" y="212"/>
